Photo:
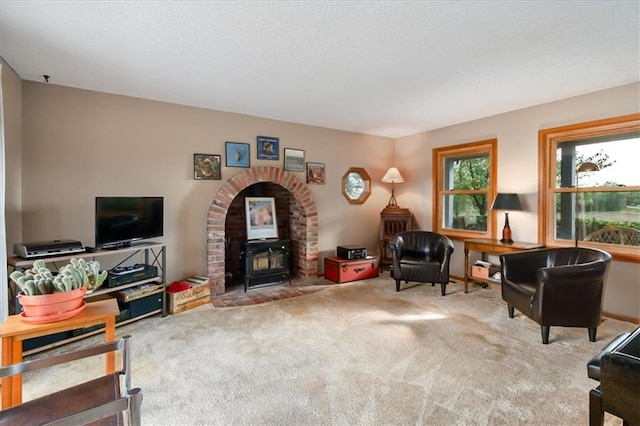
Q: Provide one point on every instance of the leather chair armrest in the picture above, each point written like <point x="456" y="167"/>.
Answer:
<point x="593" y="366"/>
<point x="395" y="258"/>
<point x="448" y="251"/>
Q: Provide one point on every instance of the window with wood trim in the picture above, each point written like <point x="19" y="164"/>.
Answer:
<point x="464" y="178"/>
<point x="589" y="191"/>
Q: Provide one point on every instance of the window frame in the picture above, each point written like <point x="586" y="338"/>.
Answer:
<point x="439" y="157"/>
<point x="548" y="140"/>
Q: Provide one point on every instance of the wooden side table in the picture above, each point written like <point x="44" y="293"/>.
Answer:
<point x="392" y="222"/>
<point x="489" y="246"/>
<point x="14" y="331"/>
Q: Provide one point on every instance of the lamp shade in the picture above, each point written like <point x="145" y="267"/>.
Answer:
<point x="392" y="176"/>
<point x="588" y="167"/>
<point x="506" y="201"/>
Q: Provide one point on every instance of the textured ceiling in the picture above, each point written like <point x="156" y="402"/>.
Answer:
<point x="382" y="68"/>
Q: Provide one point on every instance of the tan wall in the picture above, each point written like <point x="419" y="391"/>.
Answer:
<point x="517" y="134"/>
<point x="79" y="144"/>
<point x="12" y="109"/>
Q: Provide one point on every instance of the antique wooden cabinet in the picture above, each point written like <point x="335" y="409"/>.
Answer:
<point x="392" y="221"/>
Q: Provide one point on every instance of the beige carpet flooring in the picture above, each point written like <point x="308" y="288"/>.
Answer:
<point x="355" y="354"/>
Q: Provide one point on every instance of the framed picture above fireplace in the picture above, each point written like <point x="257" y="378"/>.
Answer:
<point x="261" y="218"/>
<point x="294" y="160"/>
<point x="237" y="154"/>
<point x="268" y="148"/>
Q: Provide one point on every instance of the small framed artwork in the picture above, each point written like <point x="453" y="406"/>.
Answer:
<point x="294" y="160"/>
<point x="237" y="154"/>
<point x="315" y="173"/>
<point x="206" y="166"/>
<point x="268" y="148"/>
<point x="261" y="217"/>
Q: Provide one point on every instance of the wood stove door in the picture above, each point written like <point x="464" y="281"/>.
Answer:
<point x="265" y="262"/>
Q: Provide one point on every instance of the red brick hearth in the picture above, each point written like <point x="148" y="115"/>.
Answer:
<point x="303" y="222"/>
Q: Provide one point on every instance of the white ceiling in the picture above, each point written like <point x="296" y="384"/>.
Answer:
<point x="382" y="68"/>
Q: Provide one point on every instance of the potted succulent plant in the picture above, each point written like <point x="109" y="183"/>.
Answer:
<point x="46" y="296"/>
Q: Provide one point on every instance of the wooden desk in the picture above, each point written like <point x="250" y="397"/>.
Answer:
<point x="14" y="331"/>
<point x="488" y="246"/>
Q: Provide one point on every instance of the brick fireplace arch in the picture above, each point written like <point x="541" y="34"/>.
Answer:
<point x="303" y="220"/>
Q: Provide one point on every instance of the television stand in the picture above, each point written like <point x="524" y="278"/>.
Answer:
<point x="153" y="253"/>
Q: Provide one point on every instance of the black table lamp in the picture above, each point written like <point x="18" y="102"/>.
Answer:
<point x="506" y="201"/>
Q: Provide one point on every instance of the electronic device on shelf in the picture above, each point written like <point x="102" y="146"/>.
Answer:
<point x="124" y="270"/>
<point x="351" y="252"/>
<point x="127" y="274"/>
<point x="47" y="248"/>
<point x="122" y="220"/>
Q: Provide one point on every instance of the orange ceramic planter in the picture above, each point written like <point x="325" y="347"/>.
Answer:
<point x="51" y="304"/>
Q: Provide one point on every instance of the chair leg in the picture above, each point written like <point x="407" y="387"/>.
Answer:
<point x="444" y="288"/>
<point x="511" y="311"/>
<point x="592" y="333"/>
<point x="545" y="333"/>
<point x="135" y="416"/>
<point x="596" y="414"/>
<point x="397" y="285"/>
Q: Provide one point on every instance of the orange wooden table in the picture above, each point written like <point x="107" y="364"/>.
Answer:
<point x="14" y="331"/>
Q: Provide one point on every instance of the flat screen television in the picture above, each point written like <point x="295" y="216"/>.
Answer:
<point x="122" y="220"/>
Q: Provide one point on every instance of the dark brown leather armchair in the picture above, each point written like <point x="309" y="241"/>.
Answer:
<point x="556" y="286"/>
<point x="617" y="368"/>
<point x="421" y="256"/>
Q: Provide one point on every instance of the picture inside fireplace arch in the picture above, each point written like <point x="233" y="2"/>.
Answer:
<point x="261" y="218"/>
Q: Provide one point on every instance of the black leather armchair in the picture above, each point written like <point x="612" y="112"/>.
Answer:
<point x="556" y="286"/>
<point x="617" y="368"/>
<point x="421" y="256"/>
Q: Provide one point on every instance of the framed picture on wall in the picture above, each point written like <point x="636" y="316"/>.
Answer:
<point x="315" y="173"/>
<point x="207" y="166"/>
<point x="268" y="148"/>
<point x="237" y="154"/>
<point x="261" y="217"/>
<point x="294" y="160"/>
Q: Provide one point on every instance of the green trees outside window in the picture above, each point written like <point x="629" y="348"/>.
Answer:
<point x="599" y="208"/>
<point x="465" y="179"/>
<point x="469" y="177"/>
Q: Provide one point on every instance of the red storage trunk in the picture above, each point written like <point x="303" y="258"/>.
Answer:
<point x="341" y="270"/>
